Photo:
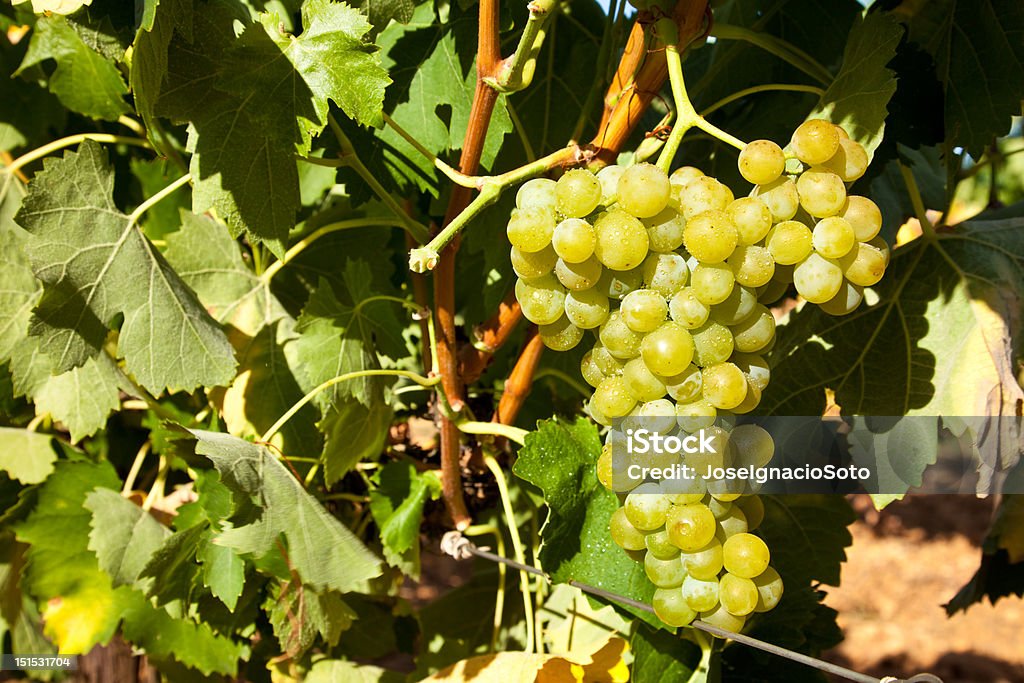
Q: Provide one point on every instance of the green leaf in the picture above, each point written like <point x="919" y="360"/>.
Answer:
<point x="19" y="289"/>
<point x="95" y="264"/>
<point x="223" y="572"/>
<point x="157" y="25"/>
<point x="29" y="111"/>
<point x="26" y="456"/>
<point x="807" y="536"/>
<point x="173" y="568"/>
<point x="859" y="96"/>
<point x="154" y="175"/>
<point x="396" y="504"/>
<point x="322" y="550"/>
<point x="353" y="432"/>
<point x="381" y="12"/>
<point x="560" y="459"/>
<point x="662" y="657"/>
<point x="123" y="535"/>
<point x="84" y="80"/>
<point x="331" y="670"/>
<point x="322" y="613"/>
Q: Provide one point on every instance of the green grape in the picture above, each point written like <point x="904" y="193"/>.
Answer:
<point x="665" y="273"/>
<point x="665" y="231"/>
<point x="817" y="278"/>
<point x="598" y="417"/>
<point x="710" y="237"/>
<point x="693" y="491"/>
<point x="734" y="522"/>
<point x="530" y="229"/>
<point x="667" y="350"/>
<point x="719" y="508"/>
<point x="712" y="283"/>
<point x="752" y="445"/>
<point x="687" y="310"/>
<point x="542" y="299"/>
<point x="702" y="461"/>
<point x="725" y="386"/>
<point x="612" y="398"/>
<point x="686" y="386"/>
<point x="780" y="197"/>
<point x="755" y="367"/>
<point x="745" y="555"/>
<point x="712" y="343"/>
<point x="833" y="237"/>
<point x="529" y="265"/>
<point x="609" y="364"/>
<point x="736" y="308"/>
<point x="670" y="606"/>
<point x="864" y="265"/>
<point x="643" y="310"/>
<point x="622" y="241"/>
<point x="737" y="594"/>
<point x="789" y="242"/>
<point x="703" y="194"/>
<point x="849" y="162"/>
<point x="592" y="374"/>
<point x="769" y="590"/>
<point x="705" y="563"/>
<point x="658" y="415"/>
<point x="699" y="594"/>
<point x="761" y="162"/>
<point x="721" y="618"/>
<point x="609" y="179"/>
<point x="579" y="276"/>
<point x="749" y="402"/>
<point x="623" y="533"/>
<point x="659" y="545"/>
<point x="774" y="290"/>
<point x="617" y="284"/>
<point x="538" y="193"/>
<point x="815" y="141"/>
<point x="882" y="246"/>
<point x="604" y="468"/>
<point x="864" y="216"/>
<point x="822" y="192"/>
<point x="587" y="309"/>
<point x="684" y="174"/>
<point x="752" y="219"/>
<point x="618" y="339"/>
<point x="845" y="301"/>
<point x="690" y="527"/>
<point x="573" y="240"/>
<point x="754" y="333"/>
<point x="646" y="507"/>
<point x="643" y="190"/>
<point x="577" y="193"/>
<point x="560" y="335"/>
<point x="752" y="266"/>
<point x="643" y="384"/>
<point x="753" y="509"/>
<point x="665" y="573"/>
<point x="695" y="415"/>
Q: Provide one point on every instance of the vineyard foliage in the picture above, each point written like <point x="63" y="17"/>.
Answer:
<point x="234" y="423"/>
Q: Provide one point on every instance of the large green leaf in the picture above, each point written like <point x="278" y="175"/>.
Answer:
<point x="26" y="456"/>
<point x="397" y="506"/>
<point x="96" y="264"/>
<point x="123" y="535"/>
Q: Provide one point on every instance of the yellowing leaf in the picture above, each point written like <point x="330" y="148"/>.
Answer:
<point x="78" y="621"/>
<point x="605" y="666"/>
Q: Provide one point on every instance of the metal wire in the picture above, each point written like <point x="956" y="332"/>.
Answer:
<point x="458" y="546"/>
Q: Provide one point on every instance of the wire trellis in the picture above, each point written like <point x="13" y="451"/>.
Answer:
<point x="461" y="548"/>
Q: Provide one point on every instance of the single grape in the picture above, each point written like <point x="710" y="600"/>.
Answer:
<point x="753" y="510"/>
<point x="845" y="301"/>
<point x="691" y="491"/>
<point x="646" y="507"/>
<point x="612" y="398"/>
<point x="822" y="192"/>
<point x="737" y="594"/>
<point x="712" y="343"/>
<point x="659" y="545"/>
<point x="538" y="193"/>
<point x="573" y="240"/>
<point x="721" y="618"/>
<point x="789" y="242"/>
<point x="670" y="606"/>
<point x="699" y="594"/>
<point x="530" y="229"/>
<point x="577" y="193"/>
<point x="752" y="219"/>
<point x="643" y="310"/>
<point x="882" y="246"/>
<point x="604" y="468"/>
<point x="587" y="309"/>
<point x="719" y="508"/>
<point x="667" y="350"/>
<point x="769" y="590"/>
<point x="608" y="364"/>
<point x="710" y="236"/>
<point x="579" y="276"/>
<point x="658" y="416"/>
<point x="752" y="266"/>
<point x="592" y="374"/>
<point x="849" y="162"/>
<point x="665" y="230"/>
<point x="736" y="308"/>
<point x="643" y="384"/>
<point x="609" y="179"/>
<point x="734" y="522"/>
<point x="833" y="237"/>
<point x="618" y="339"/>
<point x="745" y="555"/>
<point x="684" y="174"/>
<point x="754" y="333"/>
<point x="528" y="265"/>
<point x="623" y="533"/>
<point x="774" y="290"/>
<point x="687" y="310"/>
<point x="560" y="335"/>
<point x="817" y="278"/>
<point x="755" y="367"/>
<point x="704" y="564"/>
<point x="781" y="198"/>
<point x="703" y="194"/>
<point x="749" y="402"/>
<point x="665" y="573"/>
<point x="712" y="283"/>
<point x="815" y="141"/>
<point x="761" y="162"/>
<point x="725" y="386"/>
<point x="622" y="241"/>
<point x="542" y="299"/>
<point x="598" y="417"/>
<point x="695" y="415"/>
<point x="686" y="386"/>
<point x="864" y="265"/>
<point x="643" y="190"/>
<point x="690" y="527"/>
<point x="616" y="284"/>
<point x="864" y="216"/>
<point x="665" y="273"/>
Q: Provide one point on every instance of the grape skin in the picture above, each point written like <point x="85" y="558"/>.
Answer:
<point x="560" y="335"/>
<point x="864" y="265"/>
<point x="789" y="242"/>
<point x="864" y="216"/>
<point x="528" y="265"/>
<point x="622" y="240"/>
<point x="587" y="309"/>
<point x="530" y="229"/>
<point x="670" y="606"/>
<point x="643" y="190"/>
<point x="712" y="283"/>
<point x="643" y="310"/>
<point x="710" y="236"/>
<point x="752" y="219"/>
<point x="817" y="278"/>
<point x="538" y="193"/>
<point x="667" y="350"/>
<point x="752" y="266"/>
<point x="833" y="237"/>
<point x="542" y="299"/>
<point x="577" y="193"/>
<point x="745" y="555"/>
<point x="822" y="192"/>
<point x="687" y="310"/>
<point x="665" y="273"/>
<point x="781" y="198"/>
<point x="738" y="595"/>
<point x="612" y="398"/>
<point x="815" y="141"/>
<point x="761" y="162"/>
<point x="701" y="195"/>
<point x="573" y="240"/>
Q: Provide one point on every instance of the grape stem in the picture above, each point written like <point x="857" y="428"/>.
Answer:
<point x="915" y="199"/>
<point x="767" y="87"/>
<point x="780" y="48"/>
<point x="686" y="116"/>
<point x="516" y="72"/>
<point x="69" y="141"/>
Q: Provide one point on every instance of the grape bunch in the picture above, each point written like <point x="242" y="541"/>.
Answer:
<point x="673" y="275"/>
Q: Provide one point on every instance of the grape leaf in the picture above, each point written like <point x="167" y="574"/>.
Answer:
<point x="381" y="12"/>
<point x="149" y="52"/>
<point x="26" y="456"/>
<point x="223" y="572"/>
<point x="331" y="670"/>
<point x="29" y="110"/>
<point x="322" y="613"/>
<point x="662" y="657"/>
<point x="95" y="264"/>
<point x="858" y="98"/>
<point x="560" y="459"/>
<point x="172" y="567"/>
<point x="396" y="504"/>
<point x="123" y="535"/>
<point x="83" y="80"/>
<point x="322" y="550"/>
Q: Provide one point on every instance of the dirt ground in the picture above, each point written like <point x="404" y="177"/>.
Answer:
<point x="904" y="564"/>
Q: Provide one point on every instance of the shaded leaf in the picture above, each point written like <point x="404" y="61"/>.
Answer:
<point x="300" y="613"/>
<point x="662" y="657"/>
<point x="123" y="535"/>
<point x="397" y="507"/>
<point x="26" y="456"/>
<point x="331" y="670"/>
